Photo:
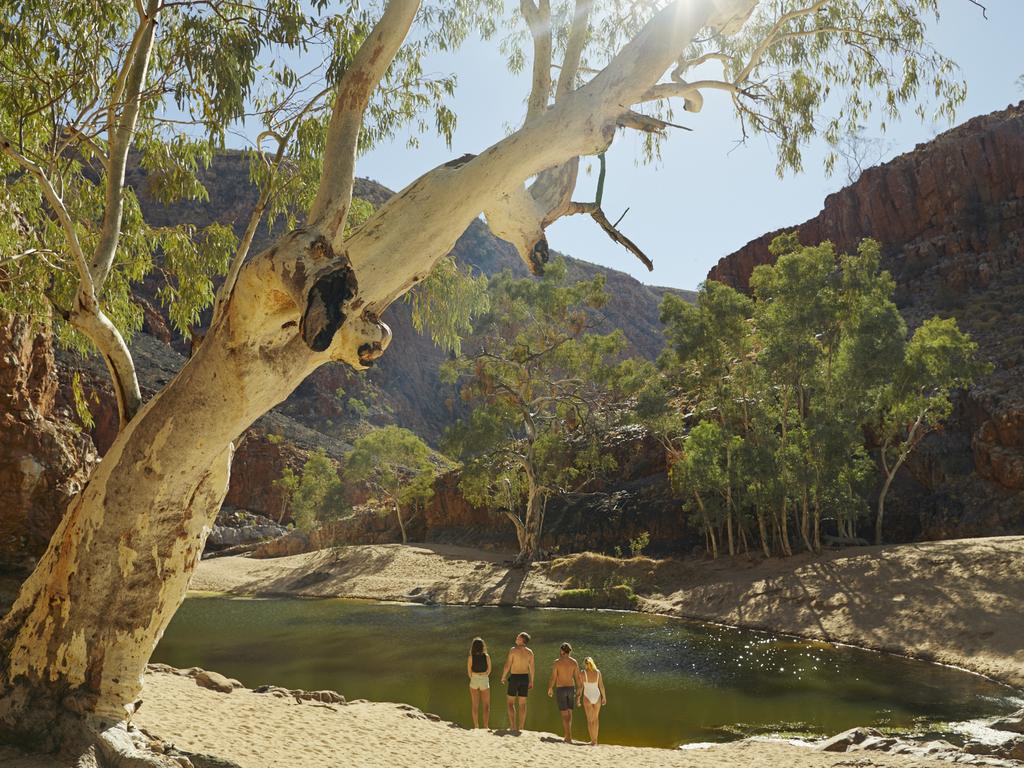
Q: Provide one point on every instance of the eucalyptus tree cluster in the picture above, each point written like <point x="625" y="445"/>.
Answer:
<point x="542" y="386"/>
<point x="777" y="408"/>
<point x="396" y="466"/>
<point x="313" y="494"/>
<point x="84" y="84"/>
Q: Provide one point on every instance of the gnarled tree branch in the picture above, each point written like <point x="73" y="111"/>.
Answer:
<point x="646" y="123"/>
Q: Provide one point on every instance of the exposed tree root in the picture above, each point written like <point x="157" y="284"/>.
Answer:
<point x="126" y="746"/>
<point x="121" y="746"/>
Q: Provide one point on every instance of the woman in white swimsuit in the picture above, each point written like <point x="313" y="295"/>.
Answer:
<point x="478" y="667"/>
<point x="593" y="696"/>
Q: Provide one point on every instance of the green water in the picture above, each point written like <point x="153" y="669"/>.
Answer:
<point x="669" y="682"/>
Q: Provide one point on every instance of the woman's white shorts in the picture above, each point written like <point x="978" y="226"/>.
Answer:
<point x="480" y="682"/>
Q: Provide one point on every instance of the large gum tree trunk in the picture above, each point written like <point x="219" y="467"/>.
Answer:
<point x="74" y="646"/>
<point x="77" y="639"/>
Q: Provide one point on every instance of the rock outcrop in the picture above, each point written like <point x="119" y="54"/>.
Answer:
<point x="950" y="218"/>
<point x="44" y="458"/>
<point x="241" y="528"/>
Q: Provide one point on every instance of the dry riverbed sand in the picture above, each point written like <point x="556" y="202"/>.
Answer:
<point x="258" y="730"/>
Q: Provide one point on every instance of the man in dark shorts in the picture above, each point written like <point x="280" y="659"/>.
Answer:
<point x="565" y="678"/>
<point x="518" y="672"/>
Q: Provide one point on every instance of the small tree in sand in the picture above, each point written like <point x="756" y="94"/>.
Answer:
<point x="83" y="81"/>
<point x="395" y="464"/>
<point x="938" y="359"/>
<point x="539" y="382"/>
<point x="315" y="493"/>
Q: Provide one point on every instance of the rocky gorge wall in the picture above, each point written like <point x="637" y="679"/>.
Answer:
<point x="44" y="457"/>
<point x="950" y="218"/>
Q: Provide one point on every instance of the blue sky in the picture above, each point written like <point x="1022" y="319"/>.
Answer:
<point x="706" y="197"/>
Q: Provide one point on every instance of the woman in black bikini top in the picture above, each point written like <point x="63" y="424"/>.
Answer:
<point x="478" y="667"/>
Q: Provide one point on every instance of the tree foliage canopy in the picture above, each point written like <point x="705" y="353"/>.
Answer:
<point x="395" y="464"/>
<point x="314" y="494"/>
<point x="768" y="402"/>
<point x="67" y="106"/>
<point x="542" y="384"/>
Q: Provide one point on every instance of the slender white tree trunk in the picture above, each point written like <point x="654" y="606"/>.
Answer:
<point x="881" y="502"/>
<point x="520" y="528"/>
<point x="763" y="532"/>
<point x="401" y="523"/>
<point x="534" y="524"/>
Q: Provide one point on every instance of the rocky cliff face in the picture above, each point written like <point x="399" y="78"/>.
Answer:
<point x="950" y="218"/>
<point x="44" y="459"/>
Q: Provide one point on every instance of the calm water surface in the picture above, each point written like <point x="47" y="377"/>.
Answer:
<point x="669" y="682"/>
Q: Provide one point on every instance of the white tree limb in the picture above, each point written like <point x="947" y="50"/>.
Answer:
<point x="86" y="314"/>
<point x="577" y="41"/>
<point x="553" y="188"/>
<point x="127" y="93"/>
<point x="334" y="196"/>
<point x="423" y="221"/>
<point x="538" y="19"/>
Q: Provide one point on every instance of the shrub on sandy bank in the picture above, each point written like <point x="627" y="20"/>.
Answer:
<point x="615" y="596"/>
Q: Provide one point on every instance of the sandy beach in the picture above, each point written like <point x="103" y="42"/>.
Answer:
<point x="955" y="602"/>
<point x="262" y="731"/>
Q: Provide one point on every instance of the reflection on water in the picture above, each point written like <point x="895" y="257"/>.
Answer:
<point x="669" y="682"/>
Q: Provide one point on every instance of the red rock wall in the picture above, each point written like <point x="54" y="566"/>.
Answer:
<point x="44" y="459"/>
<point x="260" y="460"/>
<point x="953" y="199"/>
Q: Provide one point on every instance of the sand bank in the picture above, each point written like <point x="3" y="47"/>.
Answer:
<point x="262" y="731"/>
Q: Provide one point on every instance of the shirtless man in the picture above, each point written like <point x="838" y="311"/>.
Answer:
<point x="518" y="672"/>
<point x="565" y="681"/>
